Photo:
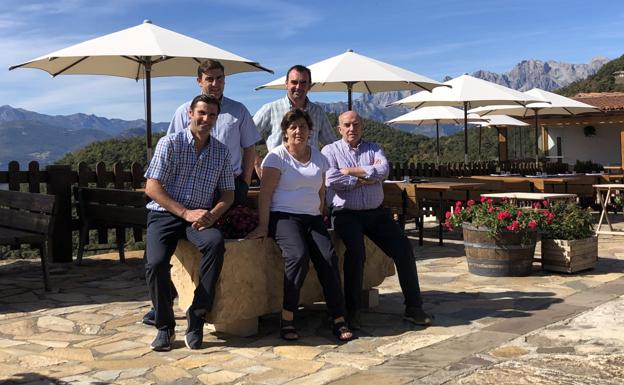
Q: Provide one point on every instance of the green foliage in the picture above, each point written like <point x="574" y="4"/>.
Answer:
<point x="497" y="218"/>
<point x="601" y="81"/>
<point x="124" y="150"/>
<point x="571" y="222"/>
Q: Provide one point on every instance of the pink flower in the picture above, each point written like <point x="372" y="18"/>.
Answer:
<point x="549" y="217"/>
<point x="490" y="202"/>
<point x="514" y="226"/>
<point x="491" y="209"/>
<point x="503" y="215"/>
<point x="532" y="224"/>
<point x="536" y="205"/>
<point x="545" y="203"/>
<point x="483" y="199"/>
<point x="470" y="202"/>
<point x="519" y="213"/>
<point x="448" y="215"/>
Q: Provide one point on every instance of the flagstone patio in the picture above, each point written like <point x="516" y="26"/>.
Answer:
<point x="88" y="329"/>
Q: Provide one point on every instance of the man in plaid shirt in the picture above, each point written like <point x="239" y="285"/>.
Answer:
<point x="182" y="177"/>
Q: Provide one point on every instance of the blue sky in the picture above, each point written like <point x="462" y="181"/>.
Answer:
<point x="433" y="38"/>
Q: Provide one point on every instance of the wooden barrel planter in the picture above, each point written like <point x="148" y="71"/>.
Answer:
<point x="507" y="254"/>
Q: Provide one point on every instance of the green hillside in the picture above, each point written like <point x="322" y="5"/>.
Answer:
<point x="399" y="146"/>
<point x="601" y="81"/>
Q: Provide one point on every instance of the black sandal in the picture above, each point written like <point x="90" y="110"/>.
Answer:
<point x="288" y="330"/>
<point x="340" y="329"/>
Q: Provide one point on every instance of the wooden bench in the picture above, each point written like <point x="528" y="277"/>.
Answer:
<point x="251" y="281"/>
<point x="104" y="209"/>
<point x="27" y="218"/>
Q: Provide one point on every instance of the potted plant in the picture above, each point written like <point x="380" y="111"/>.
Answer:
<point x="499" y="239"/>
<point x="569" y="243"/>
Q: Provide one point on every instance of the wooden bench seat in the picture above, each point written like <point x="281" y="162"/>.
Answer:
<point x="27" y="218"/>
<point x="103" y="209"/>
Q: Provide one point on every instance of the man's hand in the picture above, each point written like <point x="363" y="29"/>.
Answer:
<point x="199" y="218"/>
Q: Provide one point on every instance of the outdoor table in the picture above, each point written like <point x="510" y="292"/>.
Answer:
<point x="540" y="182"/>
<point x="613" y="169"/>
<point x="530" y="196"/>
<point x="441" y="188"/>
<point x="607" y="190"/>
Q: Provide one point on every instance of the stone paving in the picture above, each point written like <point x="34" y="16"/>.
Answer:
<point x="547" y="328"/>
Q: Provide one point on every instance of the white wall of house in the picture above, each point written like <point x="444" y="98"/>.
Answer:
<point x="603" y="148"/>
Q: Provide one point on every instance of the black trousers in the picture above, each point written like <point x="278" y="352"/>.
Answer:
<point x="302" y="238"/>
<point x="163" y="232"/>
<point x="378" y="225"/>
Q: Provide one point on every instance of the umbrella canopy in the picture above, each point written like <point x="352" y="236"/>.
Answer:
<point x="435" y="115"/>
<point x="501" y="120"/>
<point x="467" y="92"/>
<point x="353" y="72"/>
<point x="139" y="52"/>
<point x="549" y="104"/>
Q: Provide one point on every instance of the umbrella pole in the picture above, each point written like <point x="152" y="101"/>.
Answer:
<point x="437" y="143"/>
<point x="536" y="138"/>
<point x="479" y="143"/>
<point x="465" y="132"/>
<point x="350" y="96"/>
<point x="148" y="107"/>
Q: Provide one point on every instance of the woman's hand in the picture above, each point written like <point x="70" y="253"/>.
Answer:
<point x="258" y="232"/>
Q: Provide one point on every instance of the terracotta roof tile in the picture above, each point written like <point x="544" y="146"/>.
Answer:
<point x="606" y="101"/>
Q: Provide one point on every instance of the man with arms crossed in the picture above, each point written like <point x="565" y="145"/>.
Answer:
<point x="356" y="171"/>
<point x="268" y="118"/>
<point x="182" y="178"/>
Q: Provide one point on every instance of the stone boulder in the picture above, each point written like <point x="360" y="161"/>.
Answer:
<point x="251" y="281"/>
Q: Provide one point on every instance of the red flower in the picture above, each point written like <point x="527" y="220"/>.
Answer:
<point x="514" y="226"/>
<point x="545" y="203"/>
<point x="503" y="215"/>
<point x="491" y="209"/>
<point x="519" y="213"/>
<point x="448" y="214"/>
<point x="549" y="217"/>
<point x="490" y="202"/>
<point x="470" y="202"/>
<point x="483" y="199"/>
<point x="536" y="205"/>
<point x="532" y="224"/>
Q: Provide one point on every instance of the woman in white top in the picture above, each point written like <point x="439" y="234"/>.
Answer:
<point x="292" y="195"/>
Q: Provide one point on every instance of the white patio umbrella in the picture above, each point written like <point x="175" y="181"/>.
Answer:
<point x="435" y="115"/>
<point x="549" y="104"/>
<point x="498" y="121"/>
<point x="139" y="52"/>
<point x="353" y="72"/>
<point x="467" y="92"/>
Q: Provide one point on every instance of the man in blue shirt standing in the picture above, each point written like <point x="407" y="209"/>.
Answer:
<point x="356" y="171"/>
<point x="235" y="127"/>
<point x="187" y="169"/>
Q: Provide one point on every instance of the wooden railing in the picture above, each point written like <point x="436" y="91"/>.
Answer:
<point x="59" y="180"/>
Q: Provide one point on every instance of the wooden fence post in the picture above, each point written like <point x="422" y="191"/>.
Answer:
<point x="59" y="184"/>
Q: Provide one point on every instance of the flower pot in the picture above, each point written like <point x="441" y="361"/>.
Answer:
<point x="569" y="256"/>
<point x="507" y="254"/>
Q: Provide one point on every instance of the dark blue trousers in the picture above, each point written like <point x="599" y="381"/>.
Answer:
<point x="378" y="225"/>
<point x="302" y="238"/>
<point x="163" y="232"/>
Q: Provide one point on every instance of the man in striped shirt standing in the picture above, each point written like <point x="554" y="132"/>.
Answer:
<point x="182" y="178"/>
<point x="356" y="171"/>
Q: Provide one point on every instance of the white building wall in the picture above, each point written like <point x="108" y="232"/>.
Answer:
<point x="603" y="148"/>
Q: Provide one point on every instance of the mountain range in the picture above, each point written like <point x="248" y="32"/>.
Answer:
<point x="27" y="135"/>
<point x="528" y="74"/>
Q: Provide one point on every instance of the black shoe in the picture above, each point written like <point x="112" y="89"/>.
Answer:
<point x="417" y="316"/>
<point x="150" y="317"/>
<point x="354" y="320"/>
<point x="163" y="341"/>
<point x="194" y="330"/>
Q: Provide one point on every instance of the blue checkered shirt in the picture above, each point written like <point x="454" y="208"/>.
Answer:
<point x="268" y="120"/>
<point x="342" y="191"/>
<point x="190" y="178"/>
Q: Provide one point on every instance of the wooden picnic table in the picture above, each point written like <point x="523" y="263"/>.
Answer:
<point x="604" y="193"/>
<point x="440" y="187"/>
<point x="530" y="196"/>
